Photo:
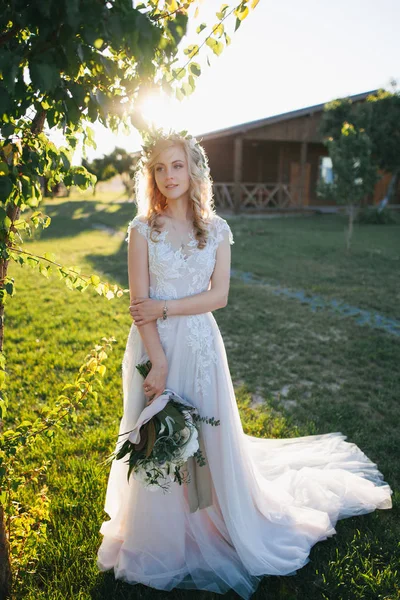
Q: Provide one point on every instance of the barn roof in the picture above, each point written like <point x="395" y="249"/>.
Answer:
<point x="245" y="127"/>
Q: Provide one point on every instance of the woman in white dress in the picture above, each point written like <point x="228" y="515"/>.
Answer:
<point x="261" y="504"/>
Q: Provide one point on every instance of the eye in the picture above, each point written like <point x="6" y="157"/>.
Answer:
<point x="180" y="166"/>
<point x="158" y="169"/>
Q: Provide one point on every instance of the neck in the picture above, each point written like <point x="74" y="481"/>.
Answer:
<point x="179" y="210"/>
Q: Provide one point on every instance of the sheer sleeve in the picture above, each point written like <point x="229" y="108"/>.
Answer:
<point x="221" y="230"/>
<point x="140" y="224"/>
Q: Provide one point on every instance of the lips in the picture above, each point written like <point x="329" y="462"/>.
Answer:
<point x="170" y="187"/>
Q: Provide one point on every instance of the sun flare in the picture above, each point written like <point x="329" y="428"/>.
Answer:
<point x="160" y="111"/>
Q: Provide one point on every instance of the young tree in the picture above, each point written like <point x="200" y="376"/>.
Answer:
<point x="120" y="162"/>
<point x="101" y="168"/>
<point x="361" y="138"/>
<point x="380" y="116"/>
<point x="62" y="65"/>
<point x="354" y="172"/>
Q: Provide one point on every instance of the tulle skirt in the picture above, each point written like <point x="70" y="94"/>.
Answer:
<point x="273" y="499"/>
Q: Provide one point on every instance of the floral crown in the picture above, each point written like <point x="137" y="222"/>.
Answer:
<point x="152" y="136"/>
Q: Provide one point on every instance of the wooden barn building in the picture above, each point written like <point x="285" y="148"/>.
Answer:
<point x="273" y="164"/>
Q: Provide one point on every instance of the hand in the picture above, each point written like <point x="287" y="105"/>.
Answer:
<point x="145" y="310"/>
<point x="154" y="384"/>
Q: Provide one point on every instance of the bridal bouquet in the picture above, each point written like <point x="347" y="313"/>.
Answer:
<point x="165" y="436"/>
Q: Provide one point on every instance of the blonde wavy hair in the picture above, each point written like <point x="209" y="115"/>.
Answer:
<point x="151" y="202"/>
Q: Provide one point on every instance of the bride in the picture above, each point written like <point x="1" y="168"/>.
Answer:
<point x="261" y="504"/>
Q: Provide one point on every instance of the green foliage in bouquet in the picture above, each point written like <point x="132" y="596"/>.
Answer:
<point x="163" y="440"/>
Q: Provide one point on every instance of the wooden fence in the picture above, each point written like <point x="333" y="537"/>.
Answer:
<point x="259" y="196"/>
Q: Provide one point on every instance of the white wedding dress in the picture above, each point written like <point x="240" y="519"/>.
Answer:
<point x="272" y="499"/>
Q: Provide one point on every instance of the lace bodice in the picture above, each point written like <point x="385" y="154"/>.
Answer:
<point x="176" y="272"/>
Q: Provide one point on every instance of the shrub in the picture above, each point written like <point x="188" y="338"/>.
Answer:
<point x="371" y="215"/>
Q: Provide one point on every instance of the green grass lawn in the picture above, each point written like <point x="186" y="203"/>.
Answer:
<point x="315" y="372"/>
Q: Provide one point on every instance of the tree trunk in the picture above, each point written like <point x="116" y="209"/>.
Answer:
<point x="13" y="213"/>
<point x="5" y="565"/>
<point x="349" y="232"/>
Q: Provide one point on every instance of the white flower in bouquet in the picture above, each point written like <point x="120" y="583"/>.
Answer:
<point x="192" y="444"/>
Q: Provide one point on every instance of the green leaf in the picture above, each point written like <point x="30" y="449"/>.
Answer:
<point x="7" y="129"/>
<point x="218" y="29"/>
<point x="69" y="283"/>
<point x="4" y="170"/>
<point x="101" y="369"/>
<point x="5" y="187"/>
<point x="45" y="76"/>
<point x="222" y="11"/>
<point x="3" y="408"/>
<point x="187" y="89"/>
<point x="178" y="94"/>
<point x="9" y="287"/>
<point x="20" y="224"/>
<point x="179" y="73"/>
<point x="201" y="27"/>
<point x="191" y="50"/>
<point x="194" y="69"/>
<point x="216" y="46"/>
<point x="44" y="270"/>
<point x="241" y="12"/>
<point x="178" y="27"/>
<point x="95" y="280"/>
<point x="65" y="160"/>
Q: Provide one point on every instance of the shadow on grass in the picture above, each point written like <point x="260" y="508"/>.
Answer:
<point x="113" y="266"/>
<point x="107" y="587"/>
<point x="72" y="218"/>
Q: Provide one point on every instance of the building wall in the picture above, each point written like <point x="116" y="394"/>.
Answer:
<point x="261" y="158"/>
<point x="220" y="156"/>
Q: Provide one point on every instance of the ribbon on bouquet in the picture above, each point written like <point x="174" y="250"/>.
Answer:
<point x="199" y="484"/>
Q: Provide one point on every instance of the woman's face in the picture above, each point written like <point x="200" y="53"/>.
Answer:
<point x="171" y="172"/>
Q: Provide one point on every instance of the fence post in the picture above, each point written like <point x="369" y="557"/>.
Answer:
<point x="238" y="172"/>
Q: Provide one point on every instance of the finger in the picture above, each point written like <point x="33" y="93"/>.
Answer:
<point x="143" y="322"/>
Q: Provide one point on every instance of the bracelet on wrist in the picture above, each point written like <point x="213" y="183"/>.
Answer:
<point x="165" y="311"/>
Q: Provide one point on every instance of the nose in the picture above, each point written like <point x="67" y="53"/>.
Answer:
<point x="169" y="177"/>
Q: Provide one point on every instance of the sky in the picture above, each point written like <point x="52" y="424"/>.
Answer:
<point x="285" y="56"/>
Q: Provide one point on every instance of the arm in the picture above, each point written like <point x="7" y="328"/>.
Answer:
<point x="145" y="310"/>
<point x="139" y="283"/>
